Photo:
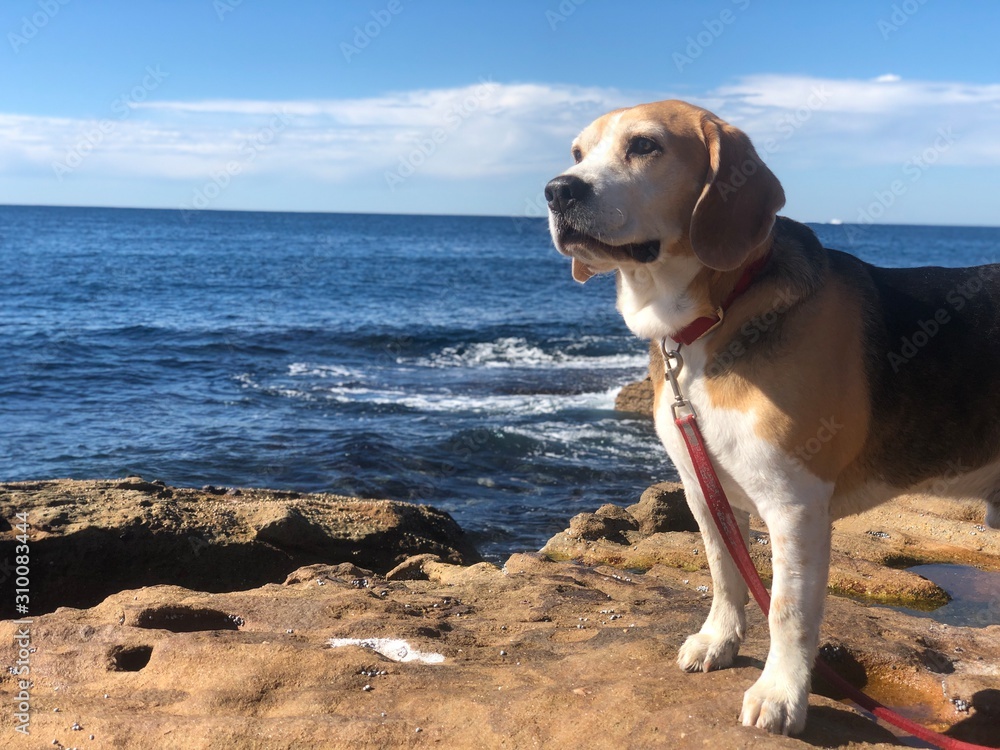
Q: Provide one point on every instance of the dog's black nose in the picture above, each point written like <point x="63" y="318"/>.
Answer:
<point x="562" y="192"/>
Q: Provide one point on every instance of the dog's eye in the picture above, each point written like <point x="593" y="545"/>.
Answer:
<point x="640" y="146"/>
<point x="577" y="155"/>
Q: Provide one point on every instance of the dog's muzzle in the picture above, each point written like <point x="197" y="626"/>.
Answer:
<point x="566" y="192"/>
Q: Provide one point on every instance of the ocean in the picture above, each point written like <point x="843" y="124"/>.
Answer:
<point x="442" y="360"/>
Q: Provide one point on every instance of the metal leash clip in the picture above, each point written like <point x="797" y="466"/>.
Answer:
<point x="673" y="362"/>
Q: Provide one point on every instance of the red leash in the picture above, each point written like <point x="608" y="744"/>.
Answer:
<point x="724" y="519"/>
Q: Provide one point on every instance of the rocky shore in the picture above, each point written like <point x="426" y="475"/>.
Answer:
<point x="221" y="617"/>
<point x="96" y="538"/>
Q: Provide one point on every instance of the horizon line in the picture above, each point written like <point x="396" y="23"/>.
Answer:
<point x="828" y="222"/>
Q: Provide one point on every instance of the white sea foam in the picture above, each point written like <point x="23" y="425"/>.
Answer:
<point x="394" y="649"/>
<point x="515" y="404"/>
<point x="527" y="404"/>
<point x="582" y="438"/>
<point x="517" y="352"/>
<point x="246" y="380"/>
<point x="303" y="369"/>
<point x="355" y="391"/>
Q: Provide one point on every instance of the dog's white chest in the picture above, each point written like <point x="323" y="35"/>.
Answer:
<point x="753" y="471"/>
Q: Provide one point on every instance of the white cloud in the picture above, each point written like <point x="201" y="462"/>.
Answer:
<point x="491" y="129"/>
<point x="885" y="95"/>
<point x="857" y="123"/>
<point x="475" y="130"/>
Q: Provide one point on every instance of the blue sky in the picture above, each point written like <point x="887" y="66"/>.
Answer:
<point x="866" y="111"/>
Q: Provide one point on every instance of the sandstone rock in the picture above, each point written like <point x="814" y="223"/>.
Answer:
<point x="611" y="522"/>
<point x="636" y="398"/>
<point x="866" y="560"/>
<point x="90" y="539"/>
<point x="681" y="550"/>
<point x="451" y="575"/>
<point x="411" y="569"/>
<point x="918" y="529"/>
<point x="324" y="572"/>
<point x="663" y="507"/>
<point x="539" y="654"/>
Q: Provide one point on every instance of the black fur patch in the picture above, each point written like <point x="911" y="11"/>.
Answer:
<point x="932" y="339"/>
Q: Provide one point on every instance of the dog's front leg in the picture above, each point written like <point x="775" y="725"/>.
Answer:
<point x="717" y="643"/>
<point x="800" y="544"/>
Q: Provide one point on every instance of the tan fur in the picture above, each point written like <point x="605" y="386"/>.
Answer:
<point x="815" y="388"/>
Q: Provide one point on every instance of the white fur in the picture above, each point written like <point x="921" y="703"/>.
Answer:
<point x="761" y="479"/>
<point x="653" y="298"/>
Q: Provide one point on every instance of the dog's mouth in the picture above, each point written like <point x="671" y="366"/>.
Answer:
<point x="571" y="240"/>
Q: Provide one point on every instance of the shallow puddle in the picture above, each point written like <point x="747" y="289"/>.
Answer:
<point x="975" y="602"/>
<point x="975" y="595"/>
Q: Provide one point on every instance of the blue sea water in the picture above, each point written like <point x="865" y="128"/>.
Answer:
<point x="444" y="360"/>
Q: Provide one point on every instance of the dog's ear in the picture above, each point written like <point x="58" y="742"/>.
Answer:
<point x="738" y="202"/>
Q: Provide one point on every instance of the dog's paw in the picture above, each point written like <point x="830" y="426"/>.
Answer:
<point x="703" y="652"/>
<point x="776" y="706"/>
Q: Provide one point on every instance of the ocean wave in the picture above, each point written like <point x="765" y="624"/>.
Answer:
<point x="608" y="437"/>
<point x="521" y="404"/>
<point x="574" y="432"/>
<point x="514" y="404"/>
<point x="517" y="352"/>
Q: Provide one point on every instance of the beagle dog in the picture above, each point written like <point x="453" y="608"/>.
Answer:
<point x="823" y="385"/>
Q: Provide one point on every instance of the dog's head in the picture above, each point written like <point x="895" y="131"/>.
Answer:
<point x="661" y="179"/>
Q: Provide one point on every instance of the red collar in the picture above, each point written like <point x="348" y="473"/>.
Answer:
<point x="699" y="327"/>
